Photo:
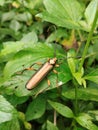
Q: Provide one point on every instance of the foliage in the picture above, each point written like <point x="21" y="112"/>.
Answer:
<point x="32" y="32"/>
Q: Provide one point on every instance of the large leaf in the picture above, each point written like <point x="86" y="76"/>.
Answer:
<point x="11" y="48"/>
<point x="27" y="57"/>
<point x="84" y="94"/>
<point x="65" y="13"/>
<point x="10" y="125"/>
<point x="62" y="109"/>
<point x="16" y="85"/>
<point x="24" y="59"/>
<point x="7" y="111"/>
<point x="85" y="121"/>
<point x="36" y="108"/>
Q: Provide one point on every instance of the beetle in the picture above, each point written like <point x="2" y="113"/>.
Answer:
<point x="41" y="73"/>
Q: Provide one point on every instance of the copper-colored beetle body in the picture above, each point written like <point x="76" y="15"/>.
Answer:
<point x="40" y="74"/>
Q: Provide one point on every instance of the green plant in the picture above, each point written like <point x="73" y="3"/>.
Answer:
<point x="71" y="100"/>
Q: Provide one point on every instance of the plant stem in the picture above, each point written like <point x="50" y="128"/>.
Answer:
<point x="76" y="97"/>
<point x="88" y="40"/>
<point x="55" y="118"/>
<point x="80" y="35"/>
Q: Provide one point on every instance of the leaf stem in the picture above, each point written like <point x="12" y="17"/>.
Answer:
<point x="76" y="98"/>
<point x="88" y="40"/>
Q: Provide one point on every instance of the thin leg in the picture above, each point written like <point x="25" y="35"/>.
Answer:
<point x="30" y="68"/>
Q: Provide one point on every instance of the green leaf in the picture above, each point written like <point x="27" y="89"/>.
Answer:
<point x="65" y="13"/>
<point x="2" y="2"/>
<point x="94" y="114"/>
<point x="15" y="25"/>
<point x="7" y="111"/>
<point x="64" y="74"/>
<point x="14" y="100"/>
<point x="16" y="85"/>
<point x="10" y="48"/>
<point x="85" y="121"/>
<point x="73" y="64"/>
<point x="51" y="126"/>
<point x="83" y="94"/>
<point x="10" y="32"/>
<point x="23" y="17"/>
<point x="33" y="4"/>
<point x="36" y="108"/>
<point x="24" y="59"/>
<point x="10" y="125"/>
<point x="92" y="76"/>
<point x="30" y="37"/>
<point x="62" y="109"/>
<point x="91" y="11"/>
<point x="71" y="61"/>
<point x="27" y="57"/>
<point x="57" y="35"/>
<point x="7" y="16"/>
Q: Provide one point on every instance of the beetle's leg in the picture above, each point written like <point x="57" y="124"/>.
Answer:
<point x="38" y="63"/>
<point x="29" y="68"/>
<point x="48" y="82"/>
<point x="55" y="71"/>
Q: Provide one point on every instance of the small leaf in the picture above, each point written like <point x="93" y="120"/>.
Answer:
<point x="84" y="94"/>
<point x="94" y="114"/>
<point x="51" y="126"/>
<point x="10" y="32"/>
<point x="14" y="100"/>
<point x="71" y="61"/>
<point x="57" y="35"/>
<point x="64" y="74"/>
<point x="91" y="11"/>
<point x="30" y="37"/>
<point x="36" y="108"/>
<point x="15" y="25"/>
<point x="85" y="121"/>
<point x="23" y="17"/>
<point x="73" y="64"/>
<point x="92" y="76"/>
<point x="62" y="109"/>
<point x="7" y="16"/>
<point x="7" y="111"/>
<point x="79" y="78"/>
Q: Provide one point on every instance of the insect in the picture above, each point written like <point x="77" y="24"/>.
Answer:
<point x="41" y="73"/>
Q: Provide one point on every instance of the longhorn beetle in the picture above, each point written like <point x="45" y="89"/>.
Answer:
<point x="41" y="73"/>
